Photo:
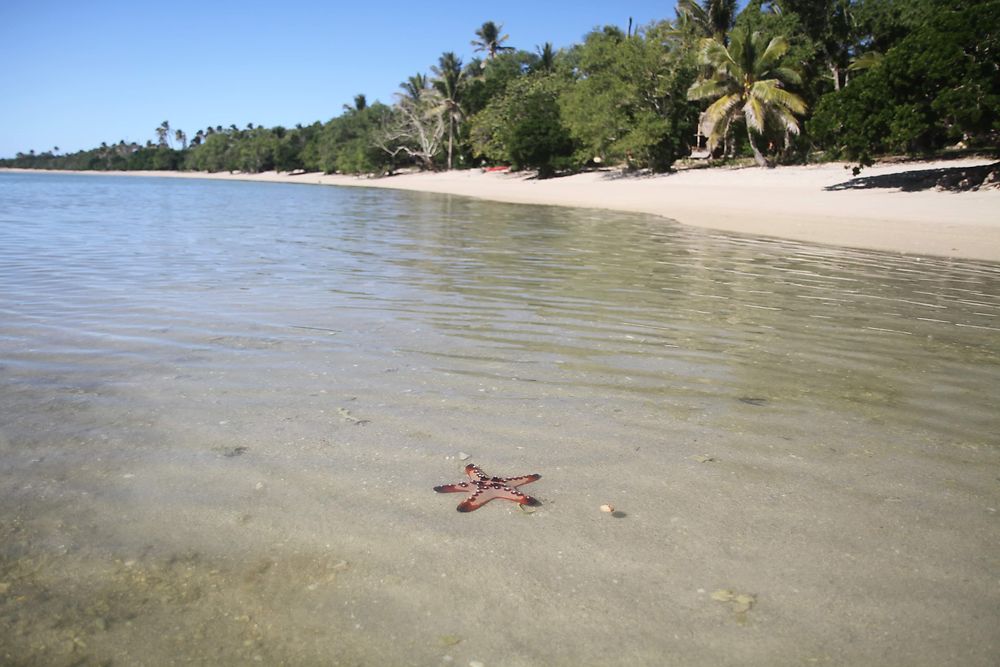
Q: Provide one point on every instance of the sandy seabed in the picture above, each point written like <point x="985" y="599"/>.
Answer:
<point x="821" y="204"/>
<point x="826" y="496"/>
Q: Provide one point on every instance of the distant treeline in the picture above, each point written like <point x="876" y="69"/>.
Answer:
<point x="782" y="81"/>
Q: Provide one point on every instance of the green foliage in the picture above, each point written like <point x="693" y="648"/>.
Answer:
<point x="255" y="151"/>
<point x="825" y="26"/>
<point x="117" y="157"/>
<point x="309" y="152"/>
<point x="213" y="154"/>
<point x="627" y="102"/>
<point x="880" y="24"/>
<point x="883" y="76"/>
<point x="937" y="85"/>
<point x="348" y="144"/>
<point x="523" y="126"/>
<point x="805" y="54"/>
<point x="488" y="79"/>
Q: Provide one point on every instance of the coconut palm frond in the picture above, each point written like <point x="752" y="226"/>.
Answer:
<point x="413" y="87"/>
<point x="771" y="93"/>
<point x="758" y="43"/>
<point x="448" y="74"/>
<point x="711" y="51"/>
<point x="738" y="41"/>
<point x="723" y="106"/>
<point x="717" y="115"/>
<point x="755" y="114"/>
<point x="792" y="102"/>
<point x="866" y="61"/>
<point x="787" y="75"/>
<point x="719" y="131"/>
<point x="775" y="51"/>
<point x="722" y="14"/>
<point x="490" y="40"/>
<point x="716" y="56"/>
<point x="710" y="88"/>
<point x="786" y="120"/>
<point x="711" y="18"/>
<point x="692" y="10"/>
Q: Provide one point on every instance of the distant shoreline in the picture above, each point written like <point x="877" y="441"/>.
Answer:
<point x="820" y="204"/>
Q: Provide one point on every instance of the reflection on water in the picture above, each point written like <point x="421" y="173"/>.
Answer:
<point x="223" y="405"/>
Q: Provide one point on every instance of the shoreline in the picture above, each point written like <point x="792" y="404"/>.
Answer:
<point x="820" y="204"/>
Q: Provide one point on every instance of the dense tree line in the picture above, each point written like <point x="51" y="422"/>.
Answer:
<point x="781" y="81"/>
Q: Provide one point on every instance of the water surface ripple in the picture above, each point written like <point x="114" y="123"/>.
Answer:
<point x="223" y="405"/>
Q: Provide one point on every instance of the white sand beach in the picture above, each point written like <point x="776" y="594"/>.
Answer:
<point x="821" y="204"/>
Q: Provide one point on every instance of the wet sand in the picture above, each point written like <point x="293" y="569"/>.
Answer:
<point x="815" y="204"/>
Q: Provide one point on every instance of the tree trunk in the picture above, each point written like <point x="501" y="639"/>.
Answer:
<point x="451" y="137"/>
<point x="835" y="71"/>
<point x="757" y="155"/>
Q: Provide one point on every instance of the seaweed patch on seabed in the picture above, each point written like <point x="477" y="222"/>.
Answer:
<point x="79" y="608"/>
<point x="739" y="603"/>
<point x="232" y="452"/>
<point x="345" y="415"/>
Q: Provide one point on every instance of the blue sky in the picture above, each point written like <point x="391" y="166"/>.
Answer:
<point x="76" y="73"/>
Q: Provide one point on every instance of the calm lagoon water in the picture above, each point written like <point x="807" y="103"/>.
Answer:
<point x="223" y="406"/>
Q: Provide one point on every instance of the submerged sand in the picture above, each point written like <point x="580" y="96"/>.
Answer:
<point x="821" y="204"/>
<point x="219" y="447"/>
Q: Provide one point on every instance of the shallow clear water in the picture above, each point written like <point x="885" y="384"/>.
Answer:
<point x="223" y="406"/>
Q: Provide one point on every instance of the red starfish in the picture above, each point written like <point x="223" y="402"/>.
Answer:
<point x="485" y="488"/>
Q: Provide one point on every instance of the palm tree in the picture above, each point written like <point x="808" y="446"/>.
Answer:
<point x="747" y="80"/>
<point x="710" y="18"/>
<point x="180" y="136"/>
<point x="163" y="133"/>
<point x="490" y="40"/>
<point x="546" y="58"/>
<point x="360" y="104"/>
<point x="414" y="87"/>
<point x="450" y="84"/>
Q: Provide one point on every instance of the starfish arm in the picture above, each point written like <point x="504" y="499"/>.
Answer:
<point x="488" y="492"/>
<point x="462" y="487"/>
<point x="515" y="482"/>
<point x="475" y="473"/>
<point x="473" y="502"/>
